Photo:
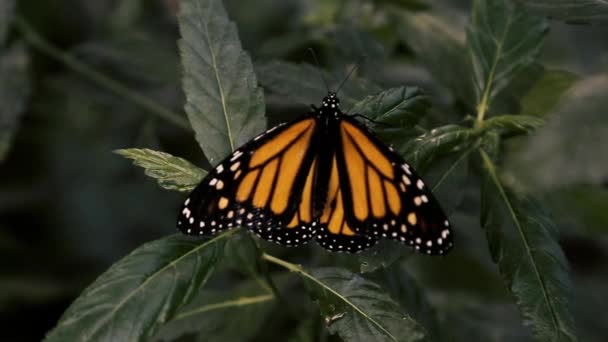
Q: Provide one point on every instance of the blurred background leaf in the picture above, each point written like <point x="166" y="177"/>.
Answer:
<point x="573" y="11"/>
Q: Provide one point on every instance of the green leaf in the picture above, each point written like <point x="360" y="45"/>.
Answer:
<point x="400" y="285"/>
<point x="400" y="107"/>
<point x="359" y="310"/>
<point x="571" y="147"/>
<point x="14" y="91"/>
<point x="303" y="83"/>
<point x="503" y="39"/>
<point x="172" y="173"/>
<point x="510" y="125"/>
<point x="224" y="103"/>
<point x="439" y="46"/>
<point x="423" y="150"/>
<point x="139" y="293"/>
<point x="546" y="92"/>
<point x="523" y="242"/>
<point x="383" y="255"/>
<point x="7" y="10"/>
<point x="232" y="314"/>
<point x="573" y="11"/>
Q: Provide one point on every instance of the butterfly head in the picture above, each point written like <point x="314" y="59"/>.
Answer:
<point x="331" y="101"/>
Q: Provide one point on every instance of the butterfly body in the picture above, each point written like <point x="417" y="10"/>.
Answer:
<point x="322" y="176"/>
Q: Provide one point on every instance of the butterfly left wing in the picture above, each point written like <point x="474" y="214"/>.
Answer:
<point x="259" y="186"/>
<point x="384" y="197"/>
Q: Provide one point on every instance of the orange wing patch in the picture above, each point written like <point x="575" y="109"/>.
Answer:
<point x="370" y="175"/>
<point x="369" y="149"/>
<point x="279" y="143"/>
<point x="290" y="163"/>
<point x="356" y="171"/>
<point x="304" y="212"/>
<point x="270" y="178"/>
<point x="333" y="213"/>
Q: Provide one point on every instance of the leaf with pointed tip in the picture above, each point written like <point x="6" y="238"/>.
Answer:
<point x="14" y="91"/>
<point x="523" y="242"/>
<point x="139" y="293"/>
<point x="303" y="83"/>
<point x="224" y="103"/>
<point x="358" y="309"/>
<point x="510" y="125"/>
<point x="572" y="11"/>
<point x="171" y="172"/>
<point x="401" y="107"/>
<point x="503" y="39"/>
<point x="423" y="150"/>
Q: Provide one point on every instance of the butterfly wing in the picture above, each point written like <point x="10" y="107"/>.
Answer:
<point x="384" y="197"/>
<point x="264" y="185"/>
<point x="334" y="230"/>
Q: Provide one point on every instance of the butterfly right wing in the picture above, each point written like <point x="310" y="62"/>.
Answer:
<point x="264" y="186"/>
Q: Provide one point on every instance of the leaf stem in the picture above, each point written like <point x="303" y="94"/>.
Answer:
<point x="35" y="40"/>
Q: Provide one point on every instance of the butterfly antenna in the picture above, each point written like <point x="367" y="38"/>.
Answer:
<point x="314" y="56"/>
<point x="355" y="67"/>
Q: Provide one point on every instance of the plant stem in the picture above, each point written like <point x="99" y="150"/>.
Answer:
<point x="38" y="42"/>
<point x="281" y="262"/>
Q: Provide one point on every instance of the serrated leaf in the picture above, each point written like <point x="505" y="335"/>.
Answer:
<point x="439" y="141"/>
<point x="303" y="83"/>
<point x="232" y="314"/>
<point x="400" y="107"/>
<point x="224" y="103"/>
<point x="7" y="10"/>
<point x="139" y="293"/>
<point x="573" y="11"/>
<point x="14" y="91"/>
<point x="171" y="172"/>
<point x="503" y="39"/>
<point x="523" y="242"/>
<point x="546" y="92"/>
<point x="400" y="285"/>
<point x="358" y="309"/>
<point x="510" y="125"/>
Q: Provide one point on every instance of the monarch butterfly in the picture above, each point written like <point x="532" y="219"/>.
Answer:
<point x="323" y="176"/>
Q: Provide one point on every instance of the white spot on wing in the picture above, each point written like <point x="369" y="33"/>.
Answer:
<point x="445" y="233"/>
<point x="420" y="184"/>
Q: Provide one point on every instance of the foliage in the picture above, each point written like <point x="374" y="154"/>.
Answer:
<point x="484" y="98"/>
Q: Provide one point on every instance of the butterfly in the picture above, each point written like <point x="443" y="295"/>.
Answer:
<point x="322" y="176"/>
